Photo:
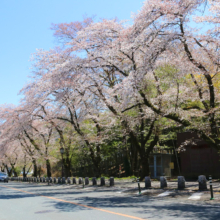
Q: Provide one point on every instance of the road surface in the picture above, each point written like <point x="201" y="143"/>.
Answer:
<point x="31" y="201"/>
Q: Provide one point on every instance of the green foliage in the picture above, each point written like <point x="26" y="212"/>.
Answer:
<point x="167" y="75"/>
<point x="17" y="170"/>
<point x="189" y="104"/>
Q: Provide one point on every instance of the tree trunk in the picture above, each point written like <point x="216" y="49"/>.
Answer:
<point x="2" y="169"/>
<point x="15" y="173"/>
<point x="39" y="171"/>
<point x="135" y="161"/>
<point x="9" y="171"/>
<point x="24" y="172"/>
<point x="67" y="167"/>
<point x="13" y="170"/>
<point x="97" y="169"/>
<point x="35" y="168"/>
<point x="145" y="169"/>
<point x="48" y="168"/>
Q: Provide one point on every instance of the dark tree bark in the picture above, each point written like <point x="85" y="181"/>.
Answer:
<point x="24" y="172"/>
<point x="8" y="171"/>
<point x="48" y="168"/>
<point x="13" y="170"/>
<point x="34" y="167"/>
<point x="67" y="166"/>
<point x="145" y="169"/>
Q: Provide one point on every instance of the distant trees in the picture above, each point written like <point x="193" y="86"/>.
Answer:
<point x="108" y="79"/>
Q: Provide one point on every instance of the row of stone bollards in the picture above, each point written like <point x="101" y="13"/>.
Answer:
<point x="181" y="182"/>
<point x="63" y="180"/>
<point x="163" y="181"/>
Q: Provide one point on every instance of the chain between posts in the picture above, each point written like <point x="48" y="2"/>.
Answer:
<point x="211" y="189"/>
<point x="139" y="188"/>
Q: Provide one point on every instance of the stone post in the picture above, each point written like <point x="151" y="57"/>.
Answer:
<point x="80" y="180"/>
<point x="181" y="182"/>
<point x="47" y="180"/>
<point x="202" y="182"/>
<point x="102" y="183"/>
<point x="68" y="180"/>
<point x="37" y="179"/>
<point x="50" y="180"/>
<point x="63" y="180"/>
<point x="54" y="180"/>
<point x="163" y="182"/>
<point x="41" y="179"/>
<point x="94" y="181"/>
<point x="86" y="180"/>
<point x="147" y="182"/>
<point x="59" y="180"/>
<point x="74" y="180"/>
<point x="44" y="180"/>
<point x="111" y="181"/>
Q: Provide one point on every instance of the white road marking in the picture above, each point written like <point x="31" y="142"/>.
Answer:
<point x="167" y="193"/>
<point x="142" y="191"/>
<point x="195" y="196"/>
<point x="123" y="191"/>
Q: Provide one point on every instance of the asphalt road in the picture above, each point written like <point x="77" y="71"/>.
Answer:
<point x="29" y="201"/>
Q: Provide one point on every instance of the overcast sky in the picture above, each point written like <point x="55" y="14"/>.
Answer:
<point x="25" y="26"/>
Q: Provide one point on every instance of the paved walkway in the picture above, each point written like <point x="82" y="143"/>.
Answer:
<point x="191" y="192"/>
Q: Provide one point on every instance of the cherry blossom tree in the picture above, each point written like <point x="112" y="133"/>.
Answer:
<point x="154" y="75"/>
<point x="121" y="63"/>
<point x="32" y="135"/>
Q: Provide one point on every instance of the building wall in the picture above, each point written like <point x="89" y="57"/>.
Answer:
<point x="198" y="160"/>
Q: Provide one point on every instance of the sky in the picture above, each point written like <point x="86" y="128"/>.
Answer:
<point x="25" y="26"/>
